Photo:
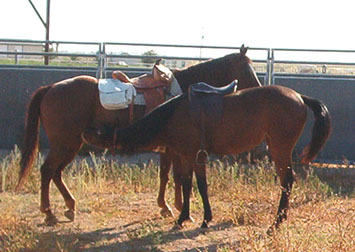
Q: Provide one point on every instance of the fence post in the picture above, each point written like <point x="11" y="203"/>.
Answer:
<point x="271" y="59"/>
<point x="16" y="57"/>
<point x="99" y="62"/>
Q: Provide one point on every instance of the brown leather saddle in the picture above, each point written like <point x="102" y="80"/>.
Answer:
<point x="206" y="110"/>
<point x="153" y="86"/>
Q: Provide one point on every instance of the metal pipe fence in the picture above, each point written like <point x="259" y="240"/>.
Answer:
<point x="329" y="79"/>
<point x="103" y="58"/>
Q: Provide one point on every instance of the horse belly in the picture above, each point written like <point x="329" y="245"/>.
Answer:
<point x="235" y="142"/>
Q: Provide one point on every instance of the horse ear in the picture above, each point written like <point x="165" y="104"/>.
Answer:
<point x="243" y="49"/>
<point x="157" y="62"/>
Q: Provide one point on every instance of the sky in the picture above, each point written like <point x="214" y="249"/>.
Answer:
<point x="302" y="24"/>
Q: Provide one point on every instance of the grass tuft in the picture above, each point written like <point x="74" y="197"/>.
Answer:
<point x="117" y="210"/>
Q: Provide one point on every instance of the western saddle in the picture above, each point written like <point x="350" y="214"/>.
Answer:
<point x="154" y="87"/>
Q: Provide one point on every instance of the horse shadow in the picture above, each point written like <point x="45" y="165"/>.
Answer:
<point x="340" y="179"/>
<point x="86" y="241"/>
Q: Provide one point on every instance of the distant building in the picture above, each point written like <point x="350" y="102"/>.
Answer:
<point x="18" y="47"/>
<point x="122" y="61"/>
<point x="179" y="63"/>
<point x="308" y="69"/>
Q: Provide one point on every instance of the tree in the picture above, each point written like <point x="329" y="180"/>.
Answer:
<point x="149" y="53"/>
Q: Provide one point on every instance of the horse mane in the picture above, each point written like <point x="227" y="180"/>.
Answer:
<point x="142" y="132"/>
<point x="216" y="72"/>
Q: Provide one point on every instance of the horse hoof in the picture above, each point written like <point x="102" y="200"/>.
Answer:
<point x="204" y="225"/>
<point x="51" y="220"/>
<point x="70" y="214"/>
<point x="166" y="212"/>
<point x="271" y="230"/>
<point x="191" y="219"/>
<point x="177" y="226"/>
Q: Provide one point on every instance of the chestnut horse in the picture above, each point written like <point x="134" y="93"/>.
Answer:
<point x="68" y="107"/>
<point x="275" y="114"/>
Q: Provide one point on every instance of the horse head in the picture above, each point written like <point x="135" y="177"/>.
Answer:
<point x="162" y="73"/>
<point x="246" y="74"/>
<point x="101" y="137"/>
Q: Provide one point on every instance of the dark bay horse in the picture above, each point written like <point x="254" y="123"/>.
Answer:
<point x="68" y="107"/>
<point x="275" y="114"/>
<point x="217" y="72"/>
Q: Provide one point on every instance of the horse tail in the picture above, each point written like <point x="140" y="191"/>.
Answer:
<point x="321" y="129"/>
<point x="30" y="147"/>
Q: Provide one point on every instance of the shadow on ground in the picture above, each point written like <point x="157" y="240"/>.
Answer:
<point x="339" y="178"/>
<point x="108" y="239"/>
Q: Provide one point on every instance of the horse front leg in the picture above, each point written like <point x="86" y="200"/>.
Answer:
<point x="165" y="164"/>
<point x="200" y="172"/>
<point x="186" y="179"/>
<point x="177" y="182"/>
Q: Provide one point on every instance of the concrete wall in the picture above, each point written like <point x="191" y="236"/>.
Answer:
<point x="339" y="97"/>
<point x="17" y="85"/>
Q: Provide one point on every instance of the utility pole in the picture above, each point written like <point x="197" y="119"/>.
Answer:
<point x="46" y="48"/>
<point x="46" y="26"/>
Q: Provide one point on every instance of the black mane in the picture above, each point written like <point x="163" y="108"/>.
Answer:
<point x="142" y="132"/>
<point x="216" y="72"/>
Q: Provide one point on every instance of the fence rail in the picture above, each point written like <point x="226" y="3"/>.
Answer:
<point x="104" y="59"/>
<point x="331" y="80"/>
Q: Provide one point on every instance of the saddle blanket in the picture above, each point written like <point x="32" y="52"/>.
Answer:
<point x="115" y="94"/>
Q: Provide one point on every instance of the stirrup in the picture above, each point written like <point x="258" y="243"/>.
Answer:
<point x="201" y="157"/>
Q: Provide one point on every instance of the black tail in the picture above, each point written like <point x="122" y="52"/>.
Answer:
<point x="30" y="147"/>
<point x="321" y="129"/>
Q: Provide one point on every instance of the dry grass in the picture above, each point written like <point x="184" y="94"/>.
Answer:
<point x="117" y="211"/>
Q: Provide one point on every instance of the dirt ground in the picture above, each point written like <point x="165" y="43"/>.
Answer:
<point x="112" y="222"/>
<point x="129" y="220"/>
<point x="135" y="225"/>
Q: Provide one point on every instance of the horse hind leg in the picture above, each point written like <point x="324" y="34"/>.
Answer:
<point x="165" y="164"/>
<point x="200" y="172"/>
<point x="52" y="170"/>
<point x="63" y="189"/>
<point x="282" y="158"/>
<point x="47" y="170"/>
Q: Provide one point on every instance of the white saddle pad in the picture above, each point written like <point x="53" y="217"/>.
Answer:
<point x="115" y="94"/>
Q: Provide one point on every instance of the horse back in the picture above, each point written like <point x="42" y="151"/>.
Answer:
<point x="71" y="95"/>
<point x="249" y="117"/>
<point x="69" y="106"/>
<point x="252" y="115"/>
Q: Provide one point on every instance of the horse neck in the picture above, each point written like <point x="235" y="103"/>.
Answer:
<point x="148" y="131"/>
<point x="248" y="79"/>
<point x="216" y="73"/>
<point x="219" y="72"/>
<point x="132" y="143"/>
<point x="248" y="84"/>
